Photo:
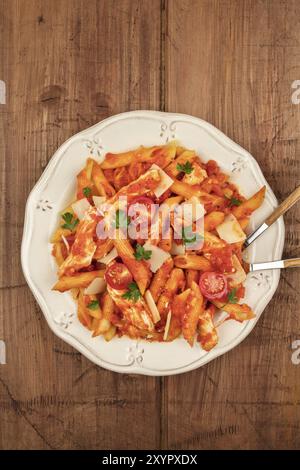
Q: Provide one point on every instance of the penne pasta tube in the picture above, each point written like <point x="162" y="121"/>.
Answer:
<point x="185" y="190"/>
<point x="75" y="293"/>
<point x="92" y="306"/>
<point x="103" y="187"/>
<point x="161" y="155"/>
<point x="108" y="306"/>
<point x="103" y="247"/>
<point x="192" y="275"/>
<point x="89" y="168"/>
<point x="166" y="243"/>
<point x="101" y="326"/>
<point x="244" y="221"/>
<point x="139" y="269"/>
<point x="238" y="312"/>
<point x="174" y="283"/>
<point x="160" y="278"/>
<point x="79" y="280"/>
<point x="191" y="261"/>
<point x="83" y="181"/>
<point x="250" y="205"/>
<point x="186" y="156"/>
<point x="57" y="252"/>
<point x="108" y="336"/>
<point x="56" y="237"/>
<point x="178" y="303"/>
<point x="173" y="201"/>
<point x="213" y="219"/>
<point x="117" y="160"/>
<point x="188" y="191"/>
<point x="212" y="241"/>
<point x="190" y="317"/>
<point x="83" y="316"/>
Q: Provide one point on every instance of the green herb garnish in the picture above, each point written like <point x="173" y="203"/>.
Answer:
<point x="70" y="221"/>
<point x="186" y="167"/>
<point x="133" y="292"/>
<point x="141" y="253"/>
<point x="87" y="191"/>
<point x="93" y="305"/>
<point x="232" y="298"/>
<point x="235" y="202"/>
<point x="122" y="219"/>
<point x="189" y="237"/>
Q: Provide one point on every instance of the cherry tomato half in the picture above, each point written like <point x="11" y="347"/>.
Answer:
<point x="213" y="285"/>
<point x="118" y="276"/>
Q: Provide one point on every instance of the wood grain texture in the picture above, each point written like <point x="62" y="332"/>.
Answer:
<point x="68" y="64"/>
<point x="233" y="64"/>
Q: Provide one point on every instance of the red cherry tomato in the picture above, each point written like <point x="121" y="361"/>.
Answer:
<point x="213" y="285"/>
<point x="118" y="276"/>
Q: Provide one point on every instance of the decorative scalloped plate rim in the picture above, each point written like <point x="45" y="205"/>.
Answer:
<point x="136" y="349"/>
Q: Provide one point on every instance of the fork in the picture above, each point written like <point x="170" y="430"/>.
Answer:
<point x="280" y="264"/>
<point x="278" y="212"/>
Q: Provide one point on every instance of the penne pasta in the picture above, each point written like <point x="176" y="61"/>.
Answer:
<point x="102" y="248"/>
<point x="139" y="269"/>
<point x="78" y="280"/>
<point x="155" y="288"/>
<point x="250" y="205"/>
<point x="191" y="261"/>
<point x="186" y="156"/>
<point x="190" y="315"/>
<point x="192" y="275"/>
<point x="174" y="283"/>
<point x="56" y="237"/>
<point x="57" y="253"/>
<point x="160" y="278"/>
<point x="103" y="187"/>
<point x="212" y="220"/>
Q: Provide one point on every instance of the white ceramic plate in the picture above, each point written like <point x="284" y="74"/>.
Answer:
<point x="55" y="189"/>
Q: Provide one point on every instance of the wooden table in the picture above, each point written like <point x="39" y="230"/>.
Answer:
<point x="68" y="64"/>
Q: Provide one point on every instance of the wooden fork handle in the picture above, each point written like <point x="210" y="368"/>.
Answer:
<point x="284" y="206"/>
<point x="292" y="263"/>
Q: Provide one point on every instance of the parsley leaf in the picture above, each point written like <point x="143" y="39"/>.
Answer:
<point x="235" y="202"/>
<point x="70" y="223"/>
<point x="141" y="253"/>
<point x="133" y="292"/>
<point x="187" y="167"/>
<point x="187" y="239"/>
<point x="188" y="236"/>
<point x="87" y="191"/>
<point x="232" y="298"/>
<point x="122" y="220"/>
<point x="93" y="305"/>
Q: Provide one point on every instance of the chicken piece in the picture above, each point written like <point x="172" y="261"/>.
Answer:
<point x="196" y="176"/>
<point x="84" y="247"/>
<point x="135" y="312"/>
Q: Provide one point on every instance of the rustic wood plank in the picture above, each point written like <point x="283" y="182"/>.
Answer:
<point x="67" y="65"/>
<point x="233" y="64"/>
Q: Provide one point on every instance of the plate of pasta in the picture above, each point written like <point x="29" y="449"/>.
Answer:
<point x="133" y="243"/>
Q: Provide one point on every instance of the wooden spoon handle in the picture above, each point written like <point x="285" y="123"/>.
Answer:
<point x="284" y="206"/>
